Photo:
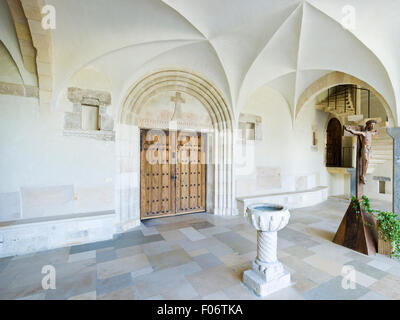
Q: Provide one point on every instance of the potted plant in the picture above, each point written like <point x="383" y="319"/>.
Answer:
<point x="388" y="227"/>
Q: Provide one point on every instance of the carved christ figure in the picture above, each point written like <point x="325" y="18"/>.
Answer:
<point x="365" y="136"/>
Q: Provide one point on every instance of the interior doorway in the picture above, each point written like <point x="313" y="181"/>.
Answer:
<point x="334" y="144"/>
<point x="173" y="173"/>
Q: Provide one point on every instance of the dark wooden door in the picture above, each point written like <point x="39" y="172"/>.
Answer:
<point x="334" y="143"/>
<point x="172" y="173"/>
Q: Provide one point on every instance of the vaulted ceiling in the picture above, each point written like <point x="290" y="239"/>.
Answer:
<point x="238" y="45"/>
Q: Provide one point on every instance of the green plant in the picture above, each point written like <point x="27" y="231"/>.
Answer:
<point x="389" y="224"/>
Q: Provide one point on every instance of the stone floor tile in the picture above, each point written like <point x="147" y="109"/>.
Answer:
<point x="356" y="256"/>
<point x="25" y="291"/>
<point x="240" y="292"/>
<point x="388" y="286"/>
<point x="192" y="234"/>
<point x="220" y="295"/>
<point x="157" y="297"/>
<point x="169" y="259"/>
<point x="325" y="264"/>
<point x="135" y="238"/>
<point x="141" y="272"/>
<point x="120" y="266"/>
<point x="384" y="266"/>
<point x="306" y="219"/>
<point x="220" y="249"/>
<point x="198" y="252"/>
<point x="236" y="242"/>
<point x="212" y="280"/>
<point x="183" y="290"/>
<point x="199" y="244"/>
<point x="149" y="231"/>
<point x="128" y="251"/>
<point x="173" y="235"/>
<point x="105" y="255"/>
<point x="85" y="255"/>
<point x="121" y="294"/>
<point x="163" y="283"/>
<point x="73" y="285"/>
<point x="158" y="247"/>
<point x="105" y="286"/>
<point x="202" y="225"/>
<point x="206" y="261"/>
<point x="289" y="293"/>
<point x="302" y="283"/>
<point x="367" y="269"/>
<point x="91" y="246"/>
<point x="85" y="296"/>
<point x="364" y="280"/>
<point x="372" y="295"/>
<point x="37" y="296"/>
<point x="208" y="232"/>
<point x="306" y="270"/>
<point x="299" y="251"/>
<point x="3" y="263"/>
<point x="333" y="290"/>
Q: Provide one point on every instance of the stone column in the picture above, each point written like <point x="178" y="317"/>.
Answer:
<point x="395" y="134"/>
<point x="127" y="188"/>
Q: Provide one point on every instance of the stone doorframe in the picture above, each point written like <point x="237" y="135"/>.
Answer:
<point x="127" y="185"/>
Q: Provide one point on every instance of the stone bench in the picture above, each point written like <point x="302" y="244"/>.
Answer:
<point x="26" y="236"/>
<point x="292" y="200"/>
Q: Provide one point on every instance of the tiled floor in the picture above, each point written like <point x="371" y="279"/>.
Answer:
<point x="202" y="256"/>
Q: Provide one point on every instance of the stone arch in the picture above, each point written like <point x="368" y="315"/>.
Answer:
<point x="127" y="141"/>
<point x="339" y="78"/>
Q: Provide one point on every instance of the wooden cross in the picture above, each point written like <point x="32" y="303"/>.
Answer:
<point x="177" y="100"/>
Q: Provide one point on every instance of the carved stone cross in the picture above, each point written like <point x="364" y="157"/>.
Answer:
<point x="178" y="100"/>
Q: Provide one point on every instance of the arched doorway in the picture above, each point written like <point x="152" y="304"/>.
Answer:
<point x="334" y="143"/>
<point x="220" y="168"/>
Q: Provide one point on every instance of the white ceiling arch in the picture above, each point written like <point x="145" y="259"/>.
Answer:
<point x="287" y="44"/>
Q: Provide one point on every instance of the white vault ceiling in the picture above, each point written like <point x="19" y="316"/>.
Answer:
<point x="239" y="45"/>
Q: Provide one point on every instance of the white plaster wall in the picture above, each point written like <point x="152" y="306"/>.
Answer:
<point x="34" y="153"/>
<point x="285" y="148"/>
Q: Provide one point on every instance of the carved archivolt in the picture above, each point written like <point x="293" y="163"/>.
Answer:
<point x="222" y="122"/>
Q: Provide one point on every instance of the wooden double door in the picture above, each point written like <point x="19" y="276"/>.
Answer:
<point x="172" y="172"/>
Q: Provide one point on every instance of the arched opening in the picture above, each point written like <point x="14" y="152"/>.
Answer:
<point x="177" y="86"/>
<point x="334" y="134"/>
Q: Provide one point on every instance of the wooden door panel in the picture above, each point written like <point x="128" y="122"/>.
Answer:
<point x="173" y="175"/>
<point x="157" y="190"/>
<point x="190" y="173"/>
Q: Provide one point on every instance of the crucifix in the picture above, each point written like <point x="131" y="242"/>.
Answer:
<point x="356" y="231"/>
<point x="178" y="100"/>
<point x="364" y="142"/>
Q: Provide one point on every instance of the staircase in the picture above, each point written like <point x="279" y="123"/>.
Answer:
<point x="382" y="149"/>
<point x="340" y="101"/>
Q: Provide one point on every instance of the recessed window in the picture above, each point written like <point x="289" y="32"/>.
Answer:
<point x="90" y="117"/>
<point x="314" y="139"/>
<point x="382" y="187"/>
<point x="247" y="130"/>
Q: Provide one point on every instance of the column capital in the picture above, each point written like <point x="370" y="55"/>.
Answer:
<point x="394" y="132"/>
